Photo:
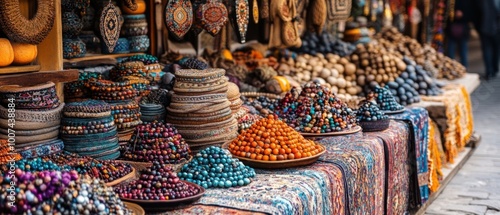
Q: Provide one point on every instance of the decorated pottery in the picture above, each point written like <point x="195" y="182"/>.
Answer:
<point x="122" y="46"/>
<point x="72" y="24"/>
<point x="139" y="43"/>
<point x="134" y="25"/>
<point x="74" y="48"/>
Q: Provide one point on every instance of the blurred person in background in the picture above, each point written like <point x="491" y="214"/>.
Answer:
<point x="486" y="19"/>
<point x="458" y="31"/>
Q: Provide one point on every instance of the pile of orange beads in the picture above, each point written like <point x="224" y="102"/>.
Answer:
<point x="270" y="139"/>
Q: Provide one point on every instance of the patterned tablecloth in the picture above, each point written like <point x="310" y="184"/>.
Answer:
<point x="397" y="167"/>
<point x="362" y="173"/>
<point x="361" y="158"/>
<point x="418" y="120"/>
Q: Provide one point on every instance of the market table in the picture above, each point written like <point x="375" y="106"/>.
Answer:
<point x="360" y="173"/>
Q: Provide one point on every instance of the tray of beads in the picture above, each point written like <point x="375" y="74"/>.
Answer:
<point x="159" y="189"/>
<point x="352" y="130"/>
<point x="279" y="164"/>
<point x="131" y="175"/>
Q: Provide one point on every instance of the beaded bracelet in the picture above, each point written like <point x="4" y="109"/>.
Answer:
<point x="86" y="121"/>
<point x="43" y="149"/>
<point x="88" y="106"/>
<point x="88" y="133"/>
<point x="105" y="83"/>
<point x="198" y="99"/>
<point x="190" y="108"/>
<point x="145" y="58"/>
<point x="34" y="116"/>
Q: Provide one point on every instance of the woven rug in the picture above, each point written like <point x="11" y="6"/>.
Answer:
<point x="311" y="190"/>
<point x="362" y="161"/>
<point x="397" y="184"/>
<point x="418" y="120"/>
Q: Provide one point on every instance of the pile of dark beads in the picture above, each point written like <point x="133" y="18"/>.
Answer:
<point x="369" y="112"/>
<point x="263" y="104"/>
<point x="421" y="80"/>
<point x="215" y="167"/>
<point x="386" y="100"/>
<point x="92" y="197"/>
<point x="157" y="142"/>
<point x="106" y="170"/>
<point x="324" y="43"/>
<point x="33" y="191"/>
<point x="315" y="110"/>
<point x="158" y="183"/>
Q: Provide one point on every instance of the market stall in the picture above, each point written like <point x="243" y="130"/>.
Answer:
<point x="233" y="107"/>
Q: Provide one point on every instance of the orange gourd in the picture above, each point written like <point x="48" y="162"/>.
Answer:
<point x="141" y="8"/>
<point x="6" y="52"/>
<point x="24" y="53"/>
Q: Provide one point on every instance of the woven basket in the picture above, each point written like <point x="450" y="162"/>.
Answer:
<point x="257" y="94"/>
<point x="135" y="208"/>
<point x="379" y="125"/>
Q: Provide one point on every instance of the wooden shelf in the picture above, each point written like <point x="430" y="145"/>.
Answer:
<point x="34" y="78"/>
<point x="19" y="69"/>
<point x="91" y="57"/>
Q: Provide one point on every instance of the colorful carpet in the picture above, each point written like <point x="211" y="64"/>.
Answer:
<point x="315" y="189"/>
<point x="362" y="161"/>
<point x="397" y="185"/>
<point x="418" y="120"/>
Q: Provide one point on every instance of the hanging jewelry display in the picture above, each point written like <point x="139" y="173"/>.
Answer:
<point x="240" y="15"/>
<point x="213" y="16"/>
<point x="179" y="17"/>
<point x="255" y="11"/>
<point x="110" y="26"/>
<point x="20" y="29"/>
<point x="338" y="10"/>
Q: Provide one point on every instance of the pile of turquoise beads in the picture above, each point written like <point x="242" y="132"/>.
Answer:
<point x="369" y="112"/>
<point x="386" y="100"/>
<point x="215" y="167"/>
<point x="35" y="165"/>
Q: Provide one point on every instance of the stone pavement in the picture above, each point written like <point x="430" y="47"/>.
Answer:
<point x="475" y="189"/>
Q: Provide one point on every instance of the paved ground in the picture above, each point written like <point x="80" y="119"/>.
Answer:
<point x="476" y="187"/>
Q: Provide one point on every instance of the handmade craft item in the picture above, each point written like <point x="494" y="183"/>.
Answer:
<point x="7" y="153"/>
<point x="338" y="10"/>
<point x="41" y="97"/>
<point x="134" y="25"/>
<point x="316" y="16"/>
<point x="370" y="117"/>
<point x="179" y="17"/>
<point x="110" y="26"/>
<point x="23" y="30"/>
<point x="213" y="16"/>
<point x="74" y="48"/>
<point x="240" y="17"/>
<point x="255" y="11"/>
<point x="284" y="29"/>
<point x="72" y="24"/>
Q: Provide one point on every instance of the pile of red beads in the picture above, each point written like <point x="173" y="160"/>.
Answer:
<point x="158" y="183"/>
<point x="157" y="142"/>
<point x="315" y="110"/>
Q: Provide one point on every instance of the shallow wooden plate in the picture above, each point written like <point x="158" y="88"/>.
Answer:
<point x="279" y="164"/>
<point x="122" y="179"/>
<point x="353" y="130"/>
<point x="165" y="205"/>
<point x="135" y="208"/>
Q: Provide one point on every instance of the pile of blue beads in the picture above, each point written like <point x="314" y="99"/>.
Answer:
<point x="214" y="167"/>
